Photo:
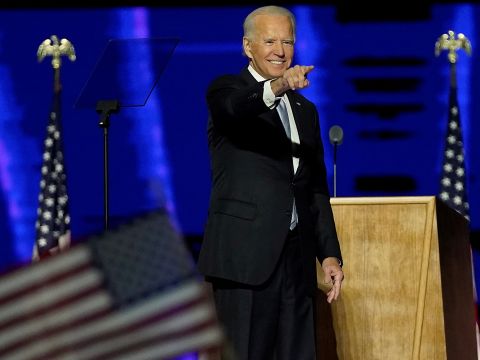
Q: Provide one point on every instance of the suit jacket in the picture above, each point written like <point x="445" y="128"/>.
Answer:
<point x="254" y="185"/>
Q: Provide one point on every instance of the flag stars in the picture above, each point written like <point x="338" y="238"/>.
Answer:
<point x="449" y="153"/>
<point x="460" y="172"/>
<point x="447" y="167"/>
<point x="460" y="158"/>
<point x="47" y="215"/>
<point x="457" y="200"/>
<point x="44" y="229"/>
<point x="453" y="125"/>
<point x="446" y="181"/>
<point x="444" y="196"/>
<point x="451" y="139"/>
<point x="454" y="110"/>
<point x="52" y="209"/>
<point x="458" y="186"/>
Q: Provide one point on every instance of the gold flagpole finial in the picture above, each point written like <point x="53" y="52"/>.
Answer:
<point x="52" y="47"/>
<point x="452" y="44"/>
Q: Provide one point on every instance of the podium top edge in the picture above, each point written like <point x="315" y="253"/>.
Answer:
<point x="382" y="200"/>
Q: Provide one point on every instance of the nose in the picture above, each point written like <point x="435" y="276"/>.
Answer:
<point x="279" y="50"/>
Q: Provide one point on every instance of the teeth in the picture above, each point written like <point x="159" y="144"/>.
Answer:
<point x="276" y="62"/>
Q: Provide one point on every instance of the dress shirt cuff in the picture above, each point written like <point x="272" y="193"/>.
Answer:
<point x="269" y="97"/>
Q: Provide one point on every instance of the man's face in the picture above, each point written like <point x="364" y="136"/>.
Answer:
<point x="270" y="49"/>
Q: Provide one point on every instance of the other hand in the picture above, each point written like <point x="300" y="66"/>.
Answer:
<point x="334" y="276"/>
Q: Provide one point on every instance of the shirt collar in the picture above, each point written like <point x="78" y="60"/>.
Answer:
<point x="255" y="74"/>
<point x="260" y="78"/>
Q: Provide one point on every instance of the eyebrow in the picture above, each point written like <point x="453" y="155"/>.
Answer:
<point x="275" y="39"/>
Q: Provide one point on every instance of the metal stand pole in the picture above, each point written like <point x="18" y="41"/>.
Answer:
<point x="105" y="108"/>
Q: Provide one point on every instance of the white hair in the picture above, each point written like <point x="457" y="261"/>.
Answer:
<point x="249" y="26"/>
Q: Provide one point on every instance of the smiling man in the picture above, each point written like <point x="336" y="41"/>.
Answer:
<point x="270" y="215"/>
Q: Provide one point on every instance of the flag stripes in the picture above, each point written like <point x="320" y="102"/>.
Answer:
<point x="194" y="340"/>
<point x="59" y="308"/>
<point x="24" y="279"/>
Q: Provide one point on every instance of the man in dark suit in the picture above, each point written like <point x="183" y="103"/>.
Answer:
<point x="270" y="215"/>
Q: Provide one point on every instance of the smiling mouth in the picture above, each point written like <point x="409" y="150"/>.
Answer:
<point x="276" y="62"/>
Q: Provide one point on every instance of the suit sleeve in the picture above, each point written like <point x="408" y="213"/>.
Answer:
<point x="230" y="100"/>
<point x="325" y="231"/>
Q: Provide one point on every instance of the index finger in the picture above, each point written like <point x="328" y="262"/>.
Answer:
<point x="337" y="285"/>
<point x="307" y="68"/>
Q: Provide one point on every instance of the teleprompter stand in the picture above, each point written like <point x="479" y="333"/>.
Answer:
<point x="124" y="76"/>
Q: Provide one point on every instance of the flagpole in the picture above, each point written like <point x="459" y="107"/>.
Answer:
<point x="452" y="44"/>
<point x="56" y="49"/>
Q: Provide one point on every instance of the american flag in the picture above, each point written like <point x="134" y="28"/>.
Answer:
<point x="452" y="183"/>
<point x="131" y="293"/>
<point x="53" y="220"/>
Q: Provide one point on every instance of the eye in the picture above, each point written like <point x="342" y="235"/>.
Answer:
<point x="269" y="42"/>
<point x="288" y="42"/>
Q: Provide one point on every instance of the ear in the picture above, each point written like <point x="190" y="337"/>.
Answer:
<point x="247" y="47"/>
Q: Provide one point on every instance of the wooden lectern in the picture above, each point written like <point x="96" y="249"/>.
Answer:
<point x="408" y="291"/>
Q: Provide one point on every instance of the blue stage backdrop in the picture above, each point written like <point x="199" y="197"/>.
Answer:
<point x="380" y="81"/>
